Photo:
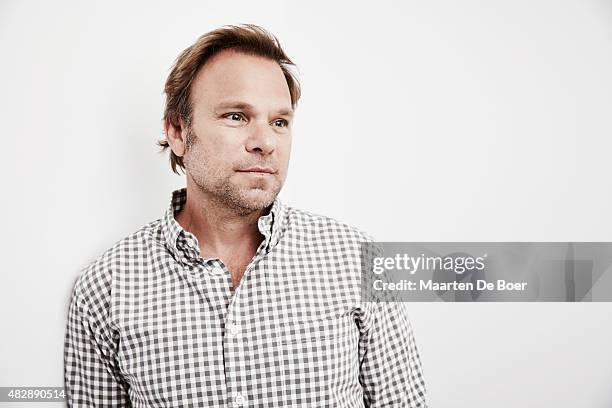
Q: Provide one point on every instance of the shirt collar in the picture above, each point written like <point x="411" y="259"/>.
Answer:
<point x="184" y="245"/>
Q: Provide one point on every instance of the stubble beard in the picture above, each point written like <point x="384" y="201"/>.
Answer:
<point x="218" y="185"/>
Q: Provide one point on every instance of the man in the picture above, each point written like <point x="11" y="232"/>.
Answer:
<point x="233" y="298"/>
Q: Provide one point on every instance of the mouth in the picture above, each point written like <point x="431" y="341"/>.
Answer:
<point x="258" y="170"/>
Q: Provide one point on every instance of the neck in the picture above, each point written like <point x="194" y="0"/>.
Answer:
<point x="220" y="229"/>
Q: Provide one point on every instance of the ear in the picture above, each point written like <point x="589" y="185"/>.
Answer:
<point x="176" y="137"/>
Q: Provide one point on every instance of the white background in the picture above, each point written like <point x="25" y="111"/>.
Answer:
<point x="420" y="121"/>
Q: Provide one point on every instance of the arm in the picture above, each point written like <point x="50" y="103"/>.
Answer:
<point x="91" y="377"/>
<point x="390" y="367"/>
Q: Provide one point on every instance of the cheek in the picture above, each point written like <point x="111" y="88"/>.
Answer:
<point x="197" y="156"/>
<point x="207" y="147"/>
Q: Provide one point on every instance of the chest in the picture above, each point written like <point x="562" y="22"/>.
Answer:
<point x="237" y="266"/>
<point x="288" y="321"/>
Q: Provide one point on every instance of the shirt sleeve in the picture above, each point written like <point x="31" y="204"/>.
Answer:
<point x="91" y="377"/>
<point x="390" y="366"/>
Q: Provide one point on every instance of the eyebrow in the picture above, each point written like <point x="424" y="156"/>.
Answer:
<point x="248" y="107"/>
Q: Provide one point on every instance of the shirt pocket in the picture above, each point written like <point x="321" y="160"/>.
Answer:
<point x="319" y="361"/>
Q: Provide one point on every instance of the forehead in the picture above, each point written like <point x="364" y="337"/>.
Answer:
<point x="233" y="75"/>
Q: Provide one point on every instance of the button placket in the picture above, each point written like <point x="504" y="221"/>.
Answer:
<point x="233" y="343"/>
<point x="234" y="354"/>
<point x="232" y="346"/>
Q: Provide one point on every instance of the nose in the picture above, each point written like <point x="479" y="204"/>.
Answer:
<point x="261" y="139"/>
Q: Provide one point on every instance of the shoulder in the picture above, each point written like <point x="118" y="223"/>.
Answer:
<point x="94" y="282"/>
<point x="324" y="225"/>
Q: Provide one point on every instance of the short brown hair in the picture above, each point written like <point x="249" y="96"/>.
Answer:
<point x="247" y="38"/>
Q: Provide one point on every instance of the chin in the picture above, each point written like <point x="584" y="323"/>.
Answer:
<point x="248" y="197"/>
<point x="259" y="201"/>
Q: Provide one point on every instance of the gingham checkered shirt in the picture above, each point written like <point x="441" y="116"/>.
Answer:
<point x="152" y="324"/>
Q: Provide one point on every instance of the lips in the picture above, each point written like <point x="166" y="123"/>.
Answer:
<point x="258" y="169"/>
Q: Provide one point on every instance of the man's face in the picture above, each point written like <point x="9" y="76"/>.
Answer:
<point x="238" y="146"/>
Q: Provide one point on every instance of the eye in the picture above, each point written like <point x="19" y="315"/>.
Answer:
<point x="235" y="116"/>
<point x="280" y="123"/>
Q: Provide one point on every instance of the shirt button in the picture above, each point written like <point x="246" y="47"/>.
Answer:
<point x="239" y="400"/>
<point x="233" y="329"/>
<point x="217" y="270"/>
